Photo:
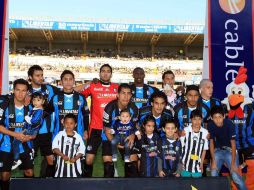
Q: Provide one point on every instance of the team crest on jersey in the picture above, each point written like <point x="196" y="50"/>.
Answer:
<point x="79" y="102"/>
<point x="89" y="147"/>
<point x="59" y="103"/>
<point x="11" y="116"/>
<point x="202" y="141"/>
<point x="148" y="93"/>
<point x="68" y="142"/>
<point x="184" y="116"/>
<point x="195" y="138"/>
<point x="115" y="89"/>
<point x="47" y="91"/>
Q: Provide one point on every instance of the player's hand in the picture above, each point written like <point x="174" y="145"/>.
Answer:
<point x="85" y="135"/>
<point x="201" y="168"/>
<point x="29" y="138"/>
<point x="208" y="136"/>
<point x="176" y="136"/>
<point x="66" y="158"/>
<point x="131" y="139"/>
<point x="233" y="168"/>
<point x="177" y="174"/>
<point x="27" y="100"/>
<point x="139" y="136"/>
<point x="162" y="174"/>
<point x="120" y="146"/>
<point x="213" y="165"/>
<point x="20" y="136"/>
<point x="73" y="160"/>
<point x="182" y="133"/>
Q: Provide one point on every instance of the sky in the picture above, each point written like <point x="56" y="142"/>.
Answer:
<point x="170" y="11"/>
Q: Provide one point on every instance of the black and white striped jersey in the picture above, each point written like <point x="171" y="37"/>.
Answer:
<point x="70" y="146"/>
<point x="193" y="145"/>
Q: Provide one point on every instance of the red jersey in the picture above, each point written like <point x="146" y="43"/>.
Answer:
<point x="101" y="95"/>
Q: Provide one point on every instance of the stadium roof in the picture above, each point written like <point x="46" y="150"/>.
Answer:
<point x="107" y="37"/>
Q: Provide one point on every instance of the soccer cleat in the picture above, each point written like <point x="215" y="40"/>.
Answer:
<point x="16" y="164"/>
<point x="114" y="158"/>
<point x="126" y="159"/>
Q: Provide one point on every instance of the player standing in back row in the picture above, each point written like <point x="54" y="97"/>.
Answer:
<point x="101" y="93"/>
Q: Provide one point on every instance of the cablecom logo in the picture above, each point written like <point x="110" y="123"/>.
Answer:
<point x="232" y="6"/>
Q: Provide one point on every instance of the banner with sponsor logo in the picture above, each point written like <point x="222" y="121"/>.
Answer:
<point x="230" y="46"/>
<point x="105" y="27"/>
<point x="4" y="47"/>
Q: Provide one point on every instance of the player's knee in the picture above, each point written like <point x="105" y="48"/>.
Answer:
<point x="50" y="160"/>
<point x="28" y="173"/>
<point x="89" y="159"/>
<point x="6" y="176"/>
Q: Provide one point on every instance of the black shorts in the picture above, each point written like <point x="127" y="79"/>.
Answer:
<point x="44" y="143"/>
<point x="94" y="141"/>
<point x="6" y="161"/>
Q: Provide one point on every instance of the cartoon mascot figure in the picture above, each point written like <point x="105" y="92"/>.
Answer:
<point x="240" y="111"/>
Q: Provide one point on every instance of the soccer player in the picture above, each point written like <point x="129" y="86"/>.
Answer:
<point x="157" y="110"/>
<point x="101" y="94"/>
<point x="184" y="109"/>
<point x="148" y="149"/>
<point x="33" y="120"/>
<point x="69" y="101"/>
<point x="170" y="152"/>
<point x="43" y="140"/>
<point x="194" y="145"/>
<point x="206" y="92"/>
<point x="11" y="125"/>
<point x="69" y="147"/>
<point x="223" y="146"/>
<point x="141" y="92"/>
<point x="110" y="116"/>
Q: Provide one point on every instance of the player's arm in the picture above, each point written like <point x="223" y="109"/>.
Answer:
<point x="59" y="153"/>
<point x="204" y="152"/>
<point x="233" y="146"/>
<point x="56" y="148"/>
<point x="212" y="147"/>
<point x="213" y="162"/>
<point x="86" y="114"/>
<point x="107" y="122"/>
<point x="36" y="117"/>
<point x="19" y="136"/>
<point x="160" y="161"/>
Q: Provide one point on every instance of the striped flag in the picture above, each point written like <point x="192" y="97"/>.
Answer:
<point x="4" y="47"/>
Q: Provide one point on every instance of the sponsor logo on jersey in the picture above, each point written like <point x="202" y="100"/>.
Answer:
<point x="63" y="112"/>
<point x="17" y="125"/>
<point x="98" y="89"/>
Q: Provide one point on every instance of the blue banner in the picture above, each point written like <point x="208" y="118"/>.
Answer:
<point x="106" y="27"/>
<point x="230" y="31"/>
<point x="3" y="46"/>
